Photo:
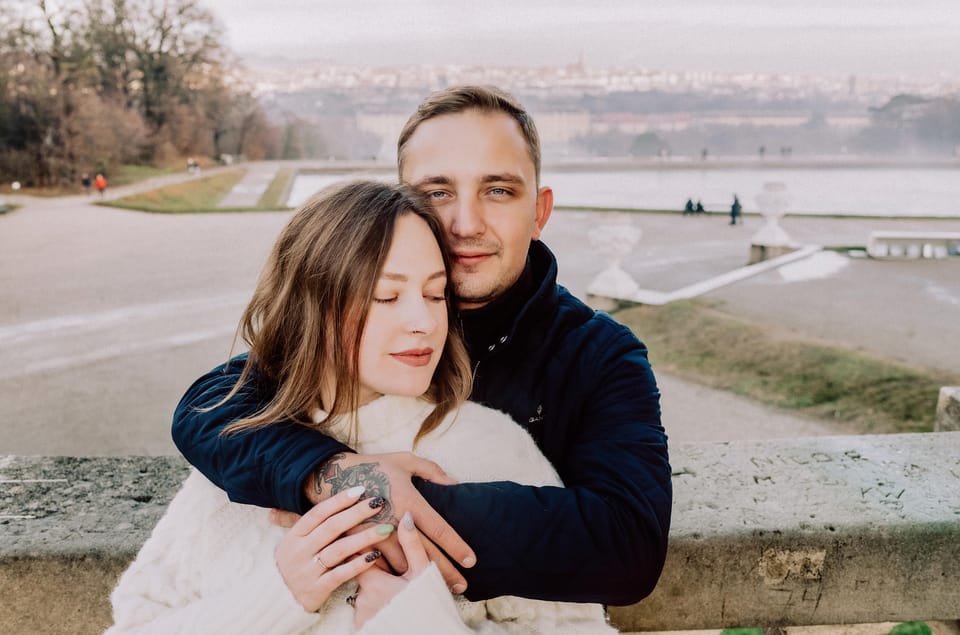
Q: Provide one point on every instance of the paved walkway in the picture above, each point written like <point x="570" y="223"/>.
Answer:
<point x="108" y="315"/>
<point x="251" y="187"/>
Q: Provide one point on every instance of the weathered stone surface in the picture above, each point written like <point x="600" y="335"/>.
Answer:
<point x="825" y="530"/>
<point x="948" y="409"/>
<point x="83" y="506"/>
<point x="69" y="526"/>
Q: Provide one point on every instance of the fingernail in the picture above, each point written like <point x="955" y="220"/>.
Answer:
<point x="385" y="529"/>
<point x="355" y="492"/>
<point x="379" y="501"/>
<point x="469" y="561"/>
<point x="458" y="588"/>
<point x="373" y="555"/>
<point x="407" y="520"/>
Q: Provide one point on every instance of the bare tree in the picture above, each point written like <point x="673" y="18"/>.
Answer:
<point x="91" y="83"/>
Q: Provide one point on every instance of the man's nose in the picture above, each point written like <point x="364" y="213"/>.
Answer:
<point x="467" y="218"/>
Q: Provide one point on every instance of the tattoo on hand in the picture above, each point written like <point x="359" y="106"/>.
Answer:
<point x="376" y="484"/>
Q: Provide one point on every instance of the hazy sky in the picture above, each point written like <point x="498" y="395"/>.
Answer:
<point x="880" y="37"/>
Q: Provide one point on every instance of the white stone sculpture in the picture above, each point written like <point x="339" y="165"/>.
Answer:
<point x="614" y="241"/>
<point x="772" y="202"/>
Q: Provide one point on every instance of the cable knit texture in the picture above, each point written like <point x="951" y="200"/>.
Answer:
<point x="208" y="566"/>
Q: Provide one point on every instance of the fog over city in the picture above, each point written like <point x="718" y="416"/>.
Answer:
<point x="873" y="37"/>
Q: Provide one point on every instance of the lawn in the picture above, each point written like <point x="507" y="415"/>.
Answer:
<point x="859" y="393"/>
<point x="198" y="195"/>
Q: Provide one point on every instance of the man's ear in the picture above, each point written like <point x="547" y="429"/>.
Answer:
<point x="544" y="209"/>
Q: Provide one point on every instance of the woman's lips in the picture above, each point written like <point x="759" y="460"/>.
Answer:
<point x="414" y="357"/>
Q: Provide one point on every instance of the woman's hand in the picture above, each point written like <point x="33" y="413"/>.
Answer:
<point x="315" y="558"/>
<point x="378" y="587"/>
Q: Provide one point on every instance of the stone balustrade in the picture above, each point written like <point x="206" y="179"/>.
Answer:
<point x="825" y="530"/>
<point x="913" y="244"/>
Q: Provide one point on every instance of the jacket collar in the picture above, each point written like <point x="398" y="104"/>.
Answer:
<point x="518" y="311"/>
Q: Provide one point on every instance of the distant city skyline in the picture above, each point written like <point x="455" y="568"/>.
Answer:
<point x="817" y="37"/>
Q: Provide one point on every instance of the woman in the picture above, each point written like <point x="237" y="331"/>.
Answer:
<point x="349" y="322"/>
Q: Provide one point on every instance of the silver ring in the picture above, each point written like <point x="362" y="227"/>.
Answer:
<point x="352" y="599"/>
<point x="319" y="561"/>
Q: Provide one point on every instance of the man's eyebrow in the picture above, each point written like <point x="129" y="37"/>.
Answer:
<point x="506" y="177"/>
<point x="399" y="277"/>
<point x="433" y="180"/>
<point x="439" y="179"/>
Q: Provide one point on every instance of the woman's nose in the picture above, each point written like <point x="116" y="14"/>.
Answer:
<point x="421" y="318"/>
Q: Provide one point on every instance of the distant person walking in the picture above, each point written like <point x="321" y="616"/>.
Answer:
<point x="699" y="209"/>
<point x="688" y="208"/>
<point x="85" y="182"/>
<point x="100" y="182"/>
<point x="735" y="211"/>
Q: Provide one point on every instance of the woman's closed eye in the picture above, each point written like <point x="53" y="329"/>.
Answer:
<point x="386" y="300"/>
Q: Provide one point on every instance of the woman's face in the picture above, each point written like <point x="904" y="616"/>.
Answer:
<point x="407" y="322"/>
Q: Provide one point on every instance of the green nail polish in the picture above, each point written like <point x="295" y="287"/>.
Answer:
<point x="385" y="529"/>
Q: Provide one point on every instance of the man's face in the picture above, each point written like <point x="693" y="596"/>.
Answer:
<point x="477" y="172"/>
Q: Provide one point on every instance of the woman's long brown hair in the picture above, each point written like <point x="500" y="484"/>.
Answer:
<point x="307" y="315"/>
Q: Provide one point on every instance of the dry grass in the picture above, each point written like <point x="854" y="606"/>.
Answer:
<point x="862" y="393"/>
<point x="270" y="199"/>
<point x="200" y="195"/>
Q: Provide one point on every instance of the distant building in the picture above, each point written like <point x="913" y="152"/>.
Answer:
<point x="562" y="127"/>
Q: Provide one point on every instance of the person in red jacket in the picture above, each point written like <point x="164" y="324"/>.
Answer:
<point x="578" y="381"/>
<point x="100" y="182"/>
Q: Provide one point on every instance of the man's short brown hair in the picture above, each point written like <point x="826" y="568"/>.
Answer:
<point x="486" y="99"/>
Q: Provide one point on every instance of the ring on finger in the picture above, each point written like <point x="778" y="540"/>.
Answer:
<point x="317" y="557"/>
<point x="352" y="599"/>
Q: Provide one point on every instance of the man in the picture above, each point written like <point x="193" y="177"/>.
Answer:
<point x="735" y="210"/>
<point x="576" y="379"/>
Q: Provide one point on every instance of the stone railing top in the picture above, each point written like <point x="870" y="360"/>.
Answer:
<point x="805" y="485"/>
<point x="83" y="505"/>
<point x="816" y="483"/>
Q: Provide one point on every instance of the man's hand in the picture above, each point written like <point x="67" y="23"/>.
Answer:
<point x="389" y="476"/>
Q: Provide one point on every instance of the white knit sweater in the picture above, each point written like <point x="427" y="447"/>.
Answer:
<point x="208" y="567"/>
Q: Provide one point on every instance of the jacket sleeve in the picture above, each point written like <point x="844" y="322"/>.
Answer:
<point x="603" y="537"/>
<point x="265" y="467"/>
